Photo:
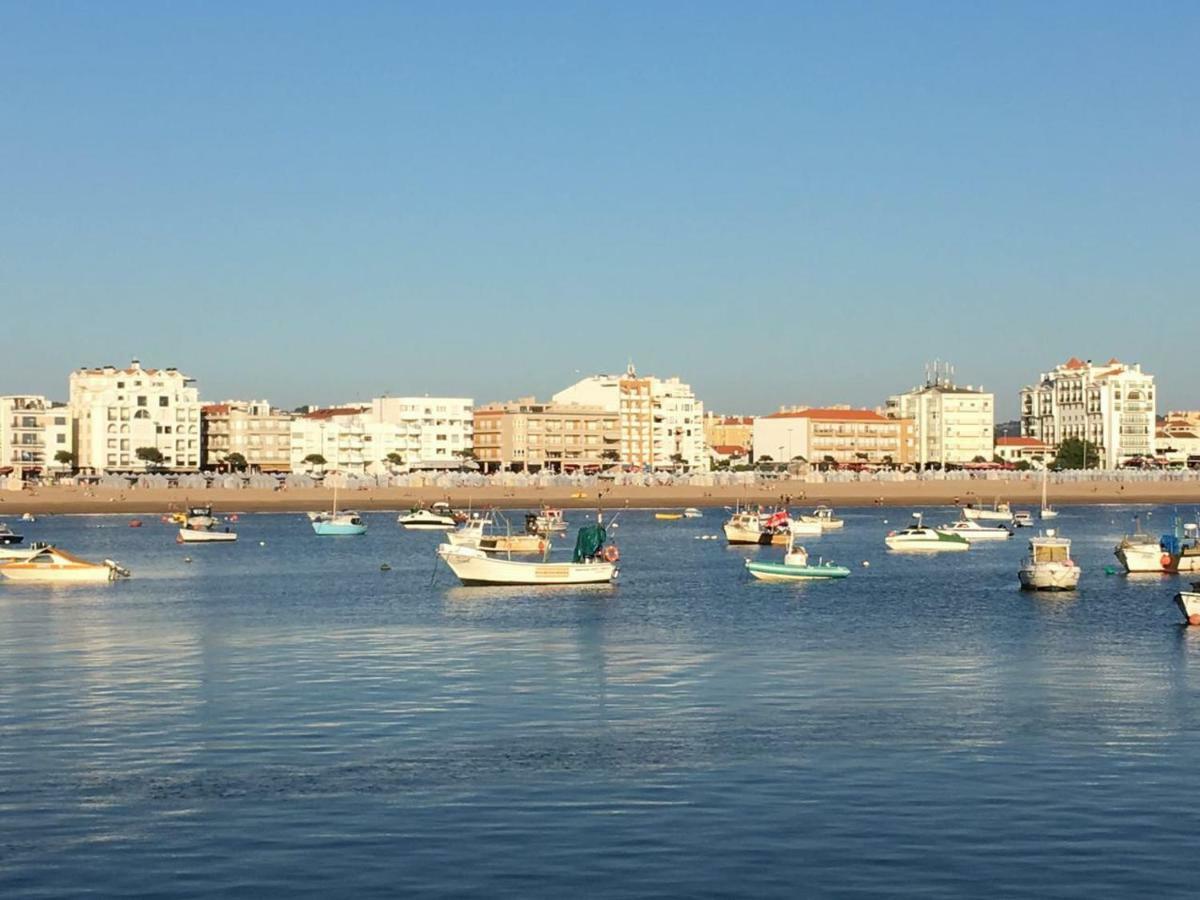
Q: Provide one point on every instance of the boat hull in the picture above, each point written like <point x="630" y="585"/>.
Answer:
<point x="1049" y="577"/>
<point x="1189" y="604"/>
<point x="326" y="529"/>
<point x="986" y="515"/>
<point x="423" y="524"/>
<point x="1141" y="558"/>
<point x="517" y="543"/>
<point x="474" y="567"/>
<point x="91" y="574"/>
<point x="783" y="572"/>
<point x="196" y="536"/>
<point x="735" y="535"/>
<point x="925" y="545"/>
<point x="1188" y="561"/>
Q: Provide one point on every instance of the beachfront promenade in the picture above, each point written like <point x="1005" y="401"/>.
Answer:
<point x="300" y="492"/>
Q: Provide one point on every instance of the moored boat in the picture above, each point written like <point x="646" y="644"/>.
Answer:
<point x="12" y="551"/>
<point x="205" y="536"/>
<point x="1047" y="511"/>
<point x="1000" y="512"/>
<point x="1022" y="519"/>
<point x="823" y="517"/>
<point x="547" y="521"/>
<point x="1049" y="566"/>
<point x="594" y="562"/>
<point x="692" y="513"/>
<point x="1139" y="552"/>
<point x="795" y="567"/>
<point x="1189" y="603"/>
<point x="8" y="536"/>
<point x="1181" y="549"/>
<point x="974" y="531"/>
<point x="421" y="519"/>
<point x="51" y="564"/>
<point x="334" y="523"/>
<point x="747" y="526"/>
<point x="917" y="538"/>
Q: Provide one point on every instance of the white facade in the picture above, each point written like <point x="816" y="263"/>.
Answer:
<point x="119" y="411"/>
<point x="660" y="419"/>
<point x="951" y="424"/>
<point x="1110" y="407"/>
<point x="425" y="432"/>
<point x="32" y="431"/>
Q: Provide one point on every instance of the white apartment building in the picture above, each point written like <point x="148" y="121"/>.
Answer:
<point x="262" y="435"/>
<point x="119" y="411"/>
<point x="33" y="431"/>
<point x="425" y="432"/>
<point x="1109" y="406"/>
<point x="661" y="421"/>
<point x="951" y="424"/>
<point x="433" y="431"/>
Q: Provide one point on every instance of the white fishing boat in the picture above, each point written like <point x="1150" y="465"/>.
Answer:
<point x="1049" y="566"/>
<point x="470" y="532"/>
<point x="1047" y="511"/>
<point x="1189" y="603"/>
<point x="917" y="538"/>
<point x="1022" y="519"/>
<point x="692" y="513"/>
<point x="421" y="519"/>
<point x="481" y="533"/>
<point x="1184" y="553"/>
<point x="823" y="518"/>
<point x="198" y="517"/>
<point x="1000" y="512"/>
<point x="1139" y="552"/>
<point x="8" y="536"/>
<point x="753" y="527"/>
<point x="548" y="521"/>
<point x="53" y="565"/>
<point x="975" y="532"/>
<point x="594" y="562"/>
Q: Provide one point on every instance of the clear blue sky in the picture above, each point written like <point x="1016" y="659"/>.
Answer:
<point x="780" y="202"/>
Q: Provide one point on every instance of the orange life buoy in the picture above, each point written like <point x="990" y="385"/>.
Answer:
<point x="1166" y="560"/>
<point x="611" y="554"/>
<point x="541" y="546"/>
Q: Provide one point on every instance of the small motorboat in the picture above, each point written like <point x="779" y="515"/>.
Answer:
<point x="1139" y="552"/>
<point x="421" y="519"/>
<point x="1022" y="519"/>
<point x="8" y="536"/>
<point x="747" y="526"/>
<point x="795" y="567"/>
<point x="594" y="562"/>
<point x="28" y="517"/>
<point x="50" y="564"/>
<point x="974" y="531"/>
<point x="1000" y="512"/>
<point x="549" y="521"/>
<point x="1049" y="566"/>
<point x="823" y="517"/>
<point x="692" y="513"/>
<point x="917" y="538"/>
<point x="205" y="536"/>
<point x="1188" y="603"/>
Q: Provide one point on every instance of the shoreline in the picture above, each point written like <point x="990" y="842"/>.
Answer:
<point x="1020" y="493"/>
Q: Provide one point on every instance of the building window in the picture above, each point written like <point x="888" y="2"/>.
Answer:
<point x="141" y="401"/>
<point x="164" y="401"/>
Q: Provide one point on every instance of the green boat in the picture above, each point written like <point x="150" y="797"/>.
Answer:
<point x="795" y="567"/>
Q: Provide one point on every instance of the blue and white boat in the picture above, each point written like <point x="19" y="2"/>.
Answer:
<point x="337" y="523"/>
<point x="795" y="567"/>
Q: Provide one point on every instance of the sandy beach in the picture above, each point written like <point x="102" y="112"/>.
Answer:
<point x="65" y="500"/>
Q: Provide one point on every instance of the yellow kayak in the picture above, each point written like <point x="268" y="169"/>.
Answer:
<point x="668" y="516"/>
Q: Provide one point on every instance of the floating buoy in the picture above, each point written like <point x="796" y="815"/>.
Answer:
<point x="885" y="521"/>
<point x="187" y="559"/>
<point x="385" y="568"/>
<point x="1194" y="619"/>
<point x="262" y="543"/>
<point x="866" y="564"/>
<point x="136" y="523"/>
<point x="1110" y="570"/>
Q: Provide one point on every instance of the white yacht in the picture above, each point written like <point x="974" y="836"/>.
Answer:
<point x="422" y="519"/>
<point x="1000" y="512"/>
<point x="1049" y="566"/>
<point x="974" y="531"/>
<point x="917" y="538"/>
<point x="1022" y="519"/>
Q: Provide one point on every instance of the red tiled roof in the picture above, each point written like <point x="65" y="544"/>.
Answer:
<point x="729" y="449"/>
<point x="1076" y="363"/>
<point x="215" y="409"/>
<point x="1019" y="442"/>
<point x="848" y="415"/>
<point x="336" y="411"/>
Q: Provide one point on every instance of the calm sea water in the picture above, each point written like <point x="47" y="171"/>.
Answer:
<point x="283" y="719"/>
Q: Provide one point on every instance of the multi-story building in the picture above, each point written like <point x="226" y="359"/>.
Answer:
<point x="1109" y="407"/>
<point x="33" y="431"/>
<point x="423" y="433"/>
<point x="1177" y="438"/>
<point x="120" y="411"/>
<point x="433" y="432"/>
<point x="729" y="432"/>
<point x="262" y="435"/>
<point x="661" y="421"/>
<point x="834" y="434"/>
<point x="1016" y="449"/>
<point x="951" y="424"/>
<point x="529" y="436"/>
